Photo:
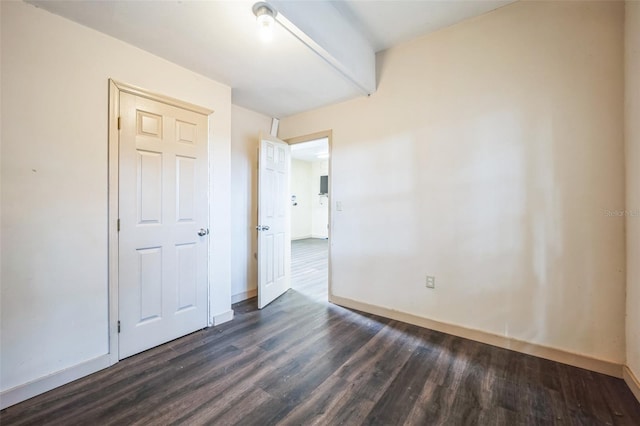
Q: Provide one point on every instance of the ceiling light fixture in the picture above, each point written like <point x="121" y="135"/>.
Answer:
<point x="356" y="71"/>
<point x="266" y="19"/>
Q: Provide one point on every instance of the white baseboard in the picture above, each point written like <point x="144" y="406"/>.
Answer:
<point x="301" y="238"/>
<point x="223" y="317"/>
<point x="577" y="360"/>
<point x="632" y="381"/>
<point x="36" y="387"/>
<point x="244" y="296"/>
<point x="44" y="384"/>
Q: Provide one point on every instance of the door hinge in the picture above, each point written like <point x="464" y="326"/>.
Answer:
<point x="119" y="123"/>
<point x="118" y="225"/>
<point x="118" y="326"/>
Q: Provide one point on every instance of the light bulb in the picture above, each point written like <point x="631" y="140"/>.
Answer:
<point x="265" y="27"/>
<point x="266" y="19"/>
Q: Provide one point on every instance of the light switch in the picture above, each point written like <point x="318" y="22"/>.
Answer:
<point x="339" y="206"/>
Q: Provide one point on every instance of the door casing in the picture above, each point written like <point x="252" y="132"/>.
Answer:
<point x="307" y="138"/>
<point x="115" y="89"/>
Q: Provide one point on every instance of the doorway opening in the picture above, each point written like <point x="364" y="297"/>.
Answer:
<point x="310" y="215"/>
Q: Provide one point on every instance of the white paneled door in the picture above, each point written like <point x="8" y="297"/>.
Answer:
<point x="274" y="228"/>
<point x="163" y="238"/>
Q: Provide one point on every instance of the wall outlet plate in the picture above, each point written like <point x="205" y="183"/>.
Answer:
<point x="431" y="281"/>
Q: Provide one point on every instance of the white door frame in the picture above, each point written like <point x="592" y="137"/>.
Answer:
<point x="307" y="138"/>
<point x="115" y="89"/>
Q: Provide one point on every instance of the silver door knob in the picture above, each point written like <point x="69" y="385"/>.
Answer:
<point x="262" y="228"/>
<point x="202" y="232"/>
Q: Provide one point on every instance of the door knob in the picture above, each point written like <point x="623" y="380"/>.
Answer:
<point x="262" y="228"/>
<point x="202" y="232"/>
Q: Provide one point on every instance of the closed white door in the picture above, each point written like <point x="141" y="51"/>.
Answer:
<point x="163" y="238"/>
<point x="274" y="229"/>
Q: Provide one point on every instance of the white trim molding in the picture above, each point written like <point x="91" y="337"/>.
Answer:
<point x="632" y="381"/>
<point x="137" y="91"/>
<point x="44" y="384"/>
<point x="114" y="170"/>
<point x="223" y="317"/>
<point x="244" y="296"/>
<point x="577" y="360"/>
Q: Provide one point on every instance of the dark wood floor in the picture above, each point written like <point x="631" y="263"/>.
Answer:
<point x="302" y="361"/>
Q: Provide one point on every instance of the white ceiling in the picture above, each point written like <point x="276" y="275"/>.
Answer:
<point x="309" y="151"/>
<point x="218" y="39"/>
<point x="386" y="23"/>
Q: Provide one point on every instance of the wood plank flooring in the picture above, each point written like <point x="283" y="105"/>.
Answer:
<point x="310" y="267"/>
<point x="302" y="361"/>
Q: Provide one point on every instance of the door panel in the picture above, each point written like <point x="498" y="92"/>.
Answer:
<point x="150" y="283"/>
<point x="163" y="262"/>
<point x="186" y="173"/>
<point x="274" y="246"/>
<point x="149" y="187"/>
<point x="187" y="262"/>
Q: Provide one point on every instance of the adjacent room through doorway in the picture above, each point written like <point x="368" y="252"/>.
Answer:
<point x="310" y="217"/>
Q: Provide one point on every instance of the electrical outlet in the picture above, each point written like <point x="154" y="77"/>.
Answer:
<point x="431" y="281"/>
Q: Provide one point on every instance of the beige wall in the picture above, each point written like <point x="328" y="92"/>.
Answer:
<point x="632" y="39"/>
<point x="54" y="185"/>
<point x="301" y="219"/>
<point x="319" y="205"/>
<point x="310" y="217"/>
<point x="487" y="158"/>
<point x="246" y="126"/>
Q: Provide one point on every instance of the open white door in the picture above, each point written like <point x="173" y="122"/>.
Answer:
<point x="274" y="229"/>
